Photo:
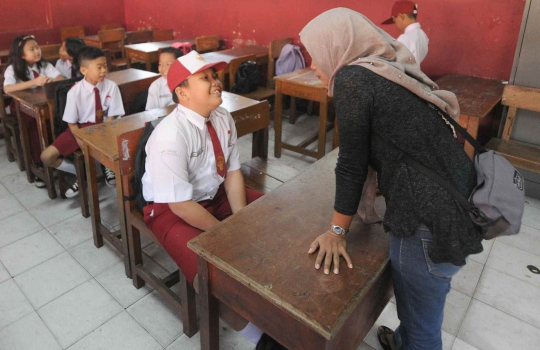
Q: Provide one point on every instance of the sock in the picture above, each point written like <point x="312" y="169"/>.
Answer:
<point x="67" y="166"/>
<point x="251" y="333"/>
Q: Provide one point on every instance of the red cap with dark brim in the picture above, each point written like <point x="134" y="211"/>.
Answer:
<point x="402" y="7"/>
<point x="187" y="65"/>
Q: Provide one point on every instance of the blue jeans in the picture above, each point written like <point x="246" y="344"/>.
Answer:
<point x="420" y="287"/>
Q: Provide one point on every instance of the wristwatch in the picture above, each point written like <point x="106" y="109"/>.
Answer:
<point x="338" y="230"/>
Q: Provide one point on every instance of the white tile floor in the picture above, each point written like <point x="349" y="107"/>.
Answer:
<point x="57" y="291"/>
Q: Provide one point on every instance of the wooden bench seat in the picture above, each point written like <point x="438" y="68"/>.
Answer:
<point x="521" y="154"/>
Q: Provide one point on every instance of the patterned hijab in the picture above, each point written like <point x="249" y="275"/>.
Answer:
<point x="341" y="37"/>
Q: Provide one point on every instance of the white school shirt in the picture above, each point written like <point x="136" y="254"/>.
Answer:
<point x="159" y="95"/>
<point x="416" y="40"/>
<point x="81" y="102"/>
<point x="64" y="67"/>
<point x="46" y="69"/>
<point x="180" y="162"/>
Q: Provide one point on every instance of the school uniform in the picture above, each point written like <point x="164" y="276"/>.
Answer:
<point x="33" y="72"/>
<point x="182" y="165"/>
<point x="416" y="40"/>
<point x="66" y="69"/>
<point x="159" y="95"/>
<point x="87" y="107"/>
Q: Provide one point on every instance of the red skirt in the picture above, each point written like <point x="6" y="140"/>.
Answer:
<point x="66" y="142"/>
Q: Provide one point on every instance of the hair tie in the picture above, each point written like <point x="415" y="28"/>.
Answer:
<point x="26" y="38"/>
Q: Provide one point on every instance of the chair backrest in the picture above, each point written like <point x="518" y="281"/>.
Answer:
<point x="71" y="32"/>
<point x="141" y="36"/>
<point x="56" y="93"/>
<point x="274" y="50"/>
<point x="51" y="52"/>
<point x="233" y="67"/>
<point x="111" y="26"/>
<point x="113" y="40"/>
<point x="162" y="35"/>
<point x="207" y="43"/>
<point x="518" y="97"/>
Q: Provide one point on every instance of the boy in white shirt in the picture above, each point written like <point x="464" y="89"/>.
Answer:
<point x="90" y="101"/>
<point x="404" y="15"/>
<point x="159" y="95"/>
<point x="193" y="178"/>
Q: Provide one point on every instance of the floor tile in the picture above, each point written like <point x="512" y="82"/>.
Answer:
<point x="96" y="260"/>
<point x="114" y="280"/>
<point x="121" y="332"/>
<point x="18" y="226"/>
<point x="51" y="279"/>
<point x="28" y="333"/>
<point x="30" y="251"/>
<point x="3" y="191"/>
<point x="73" y="231"/>
<point x="109" y="213"/>
<point x="528" y="239"/>
<point x="482" y="257"/>
<point x="461" y="345"/>
<point x="32" y="196"/>
<point x="16" y="182"/>
<point x="4" y="274"/>
<point x="533" y="202"/>
<point x="454" y="311"/>
<point x="78" y="312"/>
<point x="513" y="261"/>
<point x="364" y="346"/>
<point x="487" y="328"/>
<point x="13" y="303"/>
<point x="466" y="279"/>
<point x="510" y="295"/>
<point x="49" y="215"/>
<point x="162" y="320"/>
<point x="7" y="168"/>
<point x="159" y="255"/>
<point x="9" y="206"/>
<point x="531" y="216"/>
<point x="228" y="340"/>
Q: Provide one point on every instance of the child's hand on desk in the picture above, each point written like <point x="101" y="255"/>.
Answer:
<point x="331" y="247"/>
<point x="41" y="80"/>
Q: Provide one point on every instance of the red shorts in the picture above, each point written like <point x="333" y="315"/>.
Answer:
<point x="174" y="233"/>
<point x="66" y="143"/>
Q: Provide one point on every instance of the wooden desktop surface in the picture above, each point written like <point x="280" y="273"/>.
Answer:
<point x="260" y="52"/>
<point x="155" y="46"/>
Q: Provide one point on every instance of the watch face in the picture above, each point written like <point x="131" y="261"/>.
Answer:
<point x="337" y="230"/>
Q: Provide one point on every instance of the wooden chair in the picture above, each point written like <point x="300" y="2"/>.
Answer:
<point x="71" y="32"/>
<point x="11" y="130"/>
<point x="141" y="36"/>
<point x="78" y="156"/>
<point x="207" y="43"/>
<point x="521" y="154"/>
<point x="111" y="26"/>
<point x="162" y="35"/>
<point x="186" y="302"/>
<point x="262" y="93"/>
<point x="113" y="40"/>
<point x="51" y="52"/>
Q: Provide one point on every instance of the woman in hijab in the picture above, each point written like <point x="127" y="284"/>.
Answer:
<point x="385" y="107"/>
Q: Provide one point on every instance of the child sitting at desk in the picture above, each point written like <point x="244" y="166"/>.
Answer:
<point x="91" y="101"/>
<point x="67" y="64"/>
<point x="193" y="178"/>
<point x="159" y="95"/>
<point x="27" y="70"/>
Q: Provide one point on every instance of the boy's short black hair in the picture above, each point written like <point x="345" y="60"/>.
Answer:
<point x="176" y="52"/>
<point x="182" y="84"/>
<point x="412" y="15"/>
<point x="89" y="53"/>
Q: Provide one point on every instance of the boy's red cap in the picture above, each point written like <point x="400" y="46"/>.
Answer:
<point x="402" y="7"/>
<point x="187" y="65"/>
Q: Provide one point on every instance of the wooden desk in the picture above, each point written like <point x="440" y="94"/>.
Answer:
<point x="131" y="82"/>
<point x="227" y="55"/>
<point x="256" y="262"/>
<point x="93" y="40"/>
<point x="302" y="83"/>
<point x="148" y="52"/>
<point x="4" y="56"/>
<point x="477" y="97"/>
<point x="100" y="143"/>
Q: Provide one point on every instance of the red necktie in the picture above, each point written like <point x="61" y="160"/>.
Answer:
<point x="218" y="152"/>
<point x="36" y="74"/>
<point x="99" y="108"/>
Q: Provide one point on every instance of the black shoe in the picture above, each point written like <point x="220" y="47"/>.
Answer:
<point x="110" y="178"/>
<point x="39" y="183"/>
<point x="73" y="191"/>
<point x="268" y="343"/>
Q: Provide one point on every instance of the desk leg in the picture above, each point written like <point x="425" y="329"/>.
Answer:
<point x="44" y="141"/>
<point x="472" y="129"/>
<point x="259" y="147"/>
<point x="321" y="148"/>
<point x="122" y="217"/>
<point x="148" y="65"/>
<point x="278" y="115"/>
<point x="93" y="199"/>
<point x="208" y="311"/>
<point x="25" y="142"/>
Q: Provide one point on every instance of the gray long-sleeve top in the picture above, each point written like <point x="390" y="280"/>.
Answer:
<point x="368" y="104"/>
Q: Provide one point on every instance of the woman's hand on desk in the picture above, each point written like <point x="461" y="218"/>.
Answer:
<point x="331" y="247"/>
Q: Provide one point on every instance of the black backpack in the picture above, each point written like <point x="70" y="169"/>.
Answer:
<point x="247" y="78"/>
<point x="140" y="163"/>
<point x="139" y="103"/>
<point x="60" y="99"/>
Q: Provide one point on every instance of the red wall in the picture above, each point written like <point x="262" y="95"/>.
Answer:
<point x="45" y="18"/>
<point x="473" y="37"/>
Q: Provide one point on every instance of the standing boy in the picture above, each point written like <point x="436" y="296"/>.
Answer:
<point x="193" y="178"/>
<point x="404" y="15"/>
<point x="91" y="101"/>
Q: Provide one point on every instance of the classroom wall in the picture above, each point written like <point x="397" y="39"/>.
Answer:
<point x="45" y="18"/>
<point x="473" y="37"/>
